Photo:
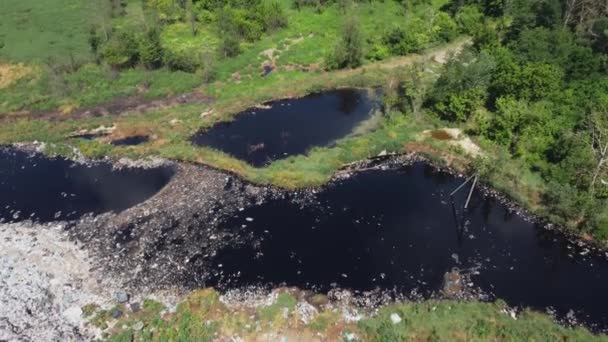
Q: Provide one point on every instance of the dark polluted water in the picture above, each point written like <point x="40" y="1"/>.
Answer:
<point x="131" y="141"/>
<point x="289" y="127"/>
<point x="395" y="230"/>
<point x="45" y="189"/>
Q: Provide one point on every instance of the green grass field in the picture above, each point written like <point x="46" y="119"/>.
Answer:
<point x="34" y="31"/>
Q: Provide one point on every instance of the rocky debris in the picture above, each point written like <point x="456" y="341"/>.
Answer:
<point x="350" y="337"/>
<point x="45" y="280"/>
<point x="306" y="312"/>
<point x="206" y="113"/>
<point x="135" y="307"/>
<point x="116" y="313"/>
<point x="138" y="326"/>
<point x="121" y="297"/>
<point x="93" y="133"/>
<point x="168" y="241"/>
<point x="453" y="284"/>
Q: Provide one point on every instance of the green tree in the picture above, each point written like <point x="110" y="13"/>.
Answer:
<point x="121" y="50"/>
<point x="412" y="37"/>
<point x="273" y="16"/>
<point x="469" y="19"/>
<point x="150" y="49"/>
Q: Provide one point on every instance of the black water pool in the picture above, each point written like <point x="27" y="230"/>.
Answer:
<point x="49" y="189"/>
<point x="289" y="127"/>
<point x="130" y="141"/>
<point x="395" y="230"/>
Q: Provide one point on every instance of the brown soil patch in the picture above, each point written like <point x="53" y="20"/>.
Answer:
<point x="125" y="132"/>
<point x="441" y="135"/>
<point x="451" y="160"/>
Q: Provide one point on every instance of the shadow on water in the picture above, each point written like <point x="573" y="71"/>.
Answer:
<point x="395" y="230"/>
<point x="289" y="127"/>
<point x="51" y="189"/>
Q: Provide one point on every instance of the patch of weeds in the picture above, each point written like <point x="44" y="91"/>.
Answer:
<point x="324" y="320"/>
<point x="94" y="149"/>
<point x="152" y="306"/>
<point x="271" y="312"/>
<point x="101" y="318"/>
<point x="125" y="336"/>
<point x="89" y="309"/>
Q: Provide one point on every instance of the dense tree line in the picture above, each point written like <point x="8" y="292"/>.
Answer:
<point x="539" y="88"/>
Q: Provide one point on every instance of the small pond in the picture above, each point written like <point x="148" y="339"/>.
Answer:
<point x="395" y="230"/>
<point x="50" y="189"/>
<point x="289" y="127"/>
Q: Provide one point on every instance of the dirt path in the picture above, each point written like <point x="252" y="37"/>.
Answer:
<point x="439" y="55"/>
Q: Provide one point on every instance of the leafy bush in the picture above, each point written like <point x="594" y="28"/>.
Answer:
<point x="469" y="19"/>
<point x="167" y="10"/>
<point x="272" y="15"/>
<point x="239" y="22"/>
<point x="444" y="27"/>
<point x="299" y="4"/>
<point x="378" y="52"/>
<point x="348" y="52"/>
<point x="229" y="46"/>
<point x="459" y="107"/>
<point x="121" y="50"/>
<point x="411" y="38"/>
<point x="180" y="60"/>
<point x="150" y="49"/>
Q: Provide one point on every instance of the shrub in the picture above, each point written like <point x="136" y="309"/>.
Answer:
<point x="469" y="19"/>
<point x="299" y="4"/>
<point x="167" y="10"/>
<point x="459" y="107"/>
<point x="121" y="50"/>
<point x="207" y="67"/>
<point x="150" y="49"/>
<point x="378" y="52"/>
<point x="229" y="46"/>
<point x="180" y="60"/>
<point x="348" y="51"/>
<point x="239" y="22"/>
<point x="444" y="27"/>
<point x="411" y="38"/>
<point x="273" y="16"/>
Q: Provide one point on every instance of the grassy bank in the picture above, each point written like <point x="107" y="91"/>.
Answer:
<point x="203" y="317"/>
<point x="172" y="128"/>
